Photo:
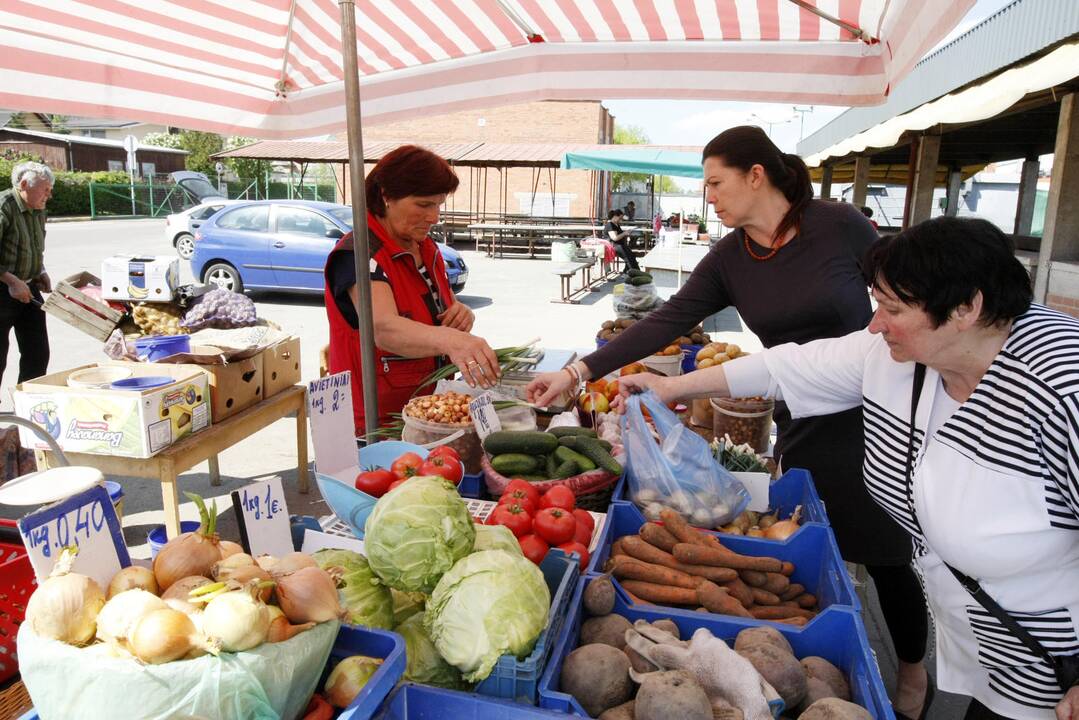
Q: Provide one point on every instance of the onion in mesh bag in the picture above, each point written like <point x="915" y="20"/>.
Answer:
<point x="221" y="309"/>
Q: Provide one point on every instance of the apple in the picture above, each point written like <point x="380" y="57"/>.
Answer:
<point x="594" y="402"/>
<point x="599" y="386"/>
<point x="612" y="390"/>
<point x="633" y="369"/>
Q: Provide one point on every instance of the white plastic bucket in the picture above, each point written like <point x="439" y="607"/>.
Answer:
<point x="669" y="365"/>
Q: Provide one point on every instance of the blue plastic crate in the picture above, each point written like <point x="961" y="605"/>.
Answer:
<point x="518" y="680"/>
<point x="421" y="702"/>
<point x="689" y="355"/>
<point x="838" y="637"/>
<point x="813" y="550"/>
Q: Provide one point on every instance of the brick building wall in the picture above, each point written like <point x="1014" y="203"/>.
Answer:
<point x="1063" y="292"/>
<point x="539" y="122"/>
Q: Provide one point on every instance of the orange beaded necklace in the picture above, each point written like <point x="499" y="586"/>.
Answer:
<point x="761" y="258"/>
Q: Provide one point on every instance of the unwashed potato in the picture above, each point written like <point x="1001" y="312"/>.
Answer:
<point x="667" y="625"/>
<point x="608" y="629"/>
<point x="816" y="689"/>
<point x="820" y="669"/>
<point x="671" y="694"/>
<point x="763" y="635"/>
<point x="599" y="597"/>
<point x="598" y="677"/>
<point x="835" y="709"/>
<point x="621" y="712"/>
<point x="780" y="669"/>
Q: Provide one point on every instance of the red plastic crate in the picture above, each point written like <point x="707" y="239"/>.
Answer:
<point x="17" y="583"/>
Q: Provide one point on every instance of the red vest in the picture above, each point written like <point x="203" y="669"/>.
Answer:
<point x="398" y="378"/>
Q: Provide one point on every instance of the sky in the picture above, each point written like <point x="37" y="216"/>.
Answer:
<point x="695" y="122"/>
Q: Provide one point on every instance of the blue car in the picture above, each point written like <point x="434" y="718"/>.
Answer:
<point x="281" y="245"/>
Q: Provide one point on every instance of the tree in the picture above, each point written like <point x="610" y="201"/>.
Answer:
<point x="244" y="168"/>
<point x="199" y="145"/>
<point x="636" y="182"/>
<point x="58" y="123"/>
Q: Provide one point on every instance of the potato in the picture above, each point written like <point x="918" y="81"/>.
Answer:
<point x="599" y="597"/>
<point x="706" y="352"/>
<point x="820" y="669"/>
<point x="667" y="625"/>
<point x="683" y="340"/>
<point x="607" y="324"/>
<point x="706" y="363"/>
<point x="598" y="677"/>
<point x="835" y="709"/>
<point x="763" y="635"/>
<point x="638" y="662"/>
<point x="608" y="630"/>
<point x="816" y="689"/>
<point x="780" y="669"/>
<point x="621" y="712"/>
<point x="697" y="338"/>
<point x="671" y="694"/>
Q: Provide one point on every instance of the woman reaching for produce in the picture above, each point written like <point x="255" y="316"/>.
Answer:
<point x="792" y="268"/>
<point x="417" y="318"/>
<point x="971" y="399"/>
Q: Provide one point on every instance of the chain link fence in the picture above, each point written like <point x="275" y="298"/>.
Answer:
<point x="148" y="198"/>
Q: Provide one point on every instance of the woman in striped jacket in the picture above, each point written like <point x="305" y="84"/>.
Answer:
<point x="971" y="401"/>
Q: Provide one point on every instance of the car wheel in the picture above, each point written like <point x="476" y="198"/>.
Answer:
<point x="185" y="246"/>
<point x="458" y="288"/>
<point x="223" y="275"/>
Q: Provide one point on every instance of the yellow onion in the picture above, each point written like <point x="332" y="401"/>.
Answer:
<point x="286" y="563"/>
<point x="281" y="629"/>
<point x="308" y="595"/>
<point x="348" y="678"/>
<point x="238" y="620"/>
<point x="131" y="577"/>
<point x="122" y="611"/>
<point x="66" y="605"/>
<point x="191" y="553"/>
<point x="165" y="635"/>
<point x="222" y="568"/>
<point x="246" y="574"/>
<point x="227" y="548"/>
<point x="784" y="528"/>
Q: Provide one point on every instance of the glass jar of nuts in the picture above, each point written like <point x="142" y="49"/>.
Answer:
<point x="745" y="420"/>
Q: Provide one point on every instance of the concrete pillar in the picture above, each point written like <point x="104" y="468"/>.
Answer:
<point x="1028" y="192"/>
<point x="955" y="185"/>
<point x="925" y="178"/>
<point x="861" y="181"/>
<point x="1060" y="238"/>
<point x="826" y="183"/>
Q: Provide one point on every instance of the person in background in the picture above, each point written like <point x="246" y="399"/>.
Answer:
<point x="793" y="269"/>
<point x="417" y="318"/>
<point x="631" y="211"/>
<point x="22" y="268"/>
<point x="620" y="238"/>
<point x="971" y="399"/>
<point x="868" y="212"/>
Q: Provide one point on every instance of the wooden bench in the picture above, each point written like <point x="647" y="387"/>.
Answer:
<point x="565" y="272"/>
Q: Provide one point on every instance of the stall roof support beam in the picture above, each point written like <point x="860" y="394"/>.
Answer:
<point x="861" y="181"/>
<point x="1028" y="193"/>
<point x="955" y="186"/>
<point x="1060" y="238"/>
<point x="826" y="183"/>
<point x="925" y="178"/>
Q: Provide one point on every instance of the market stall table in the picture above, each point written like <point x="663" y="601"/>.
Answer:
<point x="205" y="445"/>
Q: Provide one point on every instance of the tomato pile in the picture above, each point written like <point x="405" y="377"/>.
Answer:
<point x="442" y="460"/>
<point x="541" y="521"/>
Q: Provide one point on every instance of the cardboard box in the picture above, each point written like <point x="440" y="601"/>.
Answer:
<point x="140" y="278"/>
<point x="233" y="387"/>
<point x="280" y="366"/>
<point x="125" y="423"/>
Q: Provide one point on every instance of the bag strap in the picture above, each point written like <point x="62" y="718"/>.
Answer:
<point x="971" y="585"/>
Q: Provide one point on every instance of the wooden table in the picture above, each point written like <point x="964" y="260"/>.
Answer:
<point x="204" y="445"/>
<point x="565" y="272"/>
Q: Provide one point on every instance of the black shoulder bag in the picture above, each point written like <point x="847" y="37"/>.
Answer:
<point x="1065" y="667"/>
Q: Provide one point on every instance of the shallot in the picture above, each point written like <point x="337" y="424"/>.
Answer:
<point x="192" y="553"/>
<point x="348" y="678"/>
<point x="224" y="566"/>
<point x="308" y="595"/>
<point x="281" y="629"/>
<point x="66" y="605"/>
<point x="784" y="528"/>
<point x="228" y="548"/>
<point x="133" y="576"/>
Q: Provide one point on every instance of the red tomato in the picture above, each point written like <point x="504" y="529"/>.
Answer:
<point x="518" y="497"/>
<point x="582" y="533"/>
<point x="444" y="451"/>
<point x="585" y="517"/>
<point x="395" y="483"/>
<point x="514" y="517"/>
<point x="559" y="496"/>
<point x="576" y="547"/>
<point x="527" y="487"/>
<point x="533" y="547"/>
<point x="406" y="465"/>
<point x="443" y="466"/>
<point x="554" y="525"/>
<point x="375" y="481"/>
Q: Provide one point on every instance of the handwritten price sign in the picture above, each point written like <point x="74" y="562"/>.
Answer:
<point x="263" y="518"/>
<point x="483" y="415"/>
<point x="333" y="429"/>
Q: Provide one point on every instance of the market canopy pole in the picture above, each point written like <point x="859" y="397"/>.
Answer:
<point x="361" y="250"/>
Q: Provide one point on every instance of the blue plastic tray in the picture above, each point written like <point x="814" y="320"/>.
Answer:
<point x="793" y="488"/>
<point x="421" y="702"/>
<point x="813" y="550"/>
<point x="839" y="637"/>
<point x="518" y="680"/>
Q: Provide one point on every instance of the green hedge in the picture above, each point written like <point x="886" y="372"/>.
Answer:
<point x="71" y="192"/>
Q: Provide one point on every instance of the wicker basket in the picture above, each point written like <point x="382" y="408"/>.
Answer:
<point x="593" y="489"/>
<point x="14" y="701"/>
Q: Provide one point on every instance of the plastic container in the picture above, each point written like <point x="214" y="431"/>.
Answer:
<point x="157" y="347"/>
<point x="467" y="442"/>
<point x="689" y="354"/>
<point x="701" y="413"/>
<point x="97" y="378"/>
<point x="139" y="384"/>
<point x="813" y="550"/>
<point x="669" y="365"/>
<point x="745" y="420"/>
<point x="354" y="640"/>
<point x="17" y="583"/>
<point x="422" y="702"/>
<point x="839" y="637"/>
<point x="518" y="680"/>
<point x="382" y="454"/>
<point x="116" y="494"/>
<point x="158" y="537"/>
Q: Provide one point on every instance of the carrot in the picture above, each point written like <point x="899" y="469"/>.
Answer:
<point x="740" y="591"/>
<point x="789" y="603"/>
<point x="636" y="600"/>
<point x="753" y="577"/>
<point x="616" y="548"/>
<point x="717" y="600"/>
<point x="659" y="536"/>
<point x="318" y="709"/>
<point x="793" y="590"/>
<point x="807" y="601"/>
<point x="626" y="568"/>
<point x="700" y="555"/>
<point x="679" y="528"/>
<point x="641" y="550"/>
<point x="661" y="594"/>
<point x="787" y="569"/>
<point x="763" y="597"/>
<point x="776" y="583"/>
<point x="780" y="613"/>
<point x="798" y="621"/>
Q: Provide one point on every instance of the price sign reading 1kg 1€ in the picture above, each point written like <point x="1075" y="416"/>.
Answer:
<point x="483" y="415"/>
<point x="263" y="518"/>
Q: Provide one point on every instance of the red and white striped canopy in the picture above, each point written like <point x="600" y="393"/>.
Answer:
<point x="273" y="68"/>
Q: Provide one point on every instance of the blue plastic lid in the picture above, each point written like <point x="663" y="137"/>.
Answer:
<point x="142" y="383"/>
<point x="155" y="340"/>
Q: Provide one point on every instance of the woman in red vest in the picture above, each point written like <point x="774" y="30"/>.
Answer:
<point x="417" y="319"/>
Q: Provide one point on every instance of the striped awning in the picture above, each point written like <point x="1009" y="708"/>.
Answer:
<point x="273" y="68"/>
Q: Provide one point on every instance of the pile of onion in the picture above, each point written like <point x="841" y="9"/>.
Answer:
<point x="65" y="607"/>
<point x="193" y="553"/>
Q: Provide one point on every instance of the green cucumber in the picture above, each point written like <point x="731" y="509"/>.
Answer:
<point x="528" y="442"/>
<point x="565" y="470"/>
<point x="571" y="430"/>
<point x="644" y="279"/>
<point x="534" y="478"/>
<point x="591" y="449"/>
<point x="634" y="272"/>
<point x="514" y="464"/>
<point x="551" y="463"/>
<point x="604" y="444"/>
<point x="565" y="454"/>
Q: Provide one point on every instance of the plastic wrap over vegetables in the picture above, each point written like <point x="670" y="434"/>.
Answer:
<point x="366" y="599"/>
<point x="491" y="603"/>
<point x="222" y="309"/>
<point x="416" y="532"/>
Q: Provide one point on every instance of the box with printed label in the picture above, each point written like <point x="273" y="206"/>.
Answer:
<point x="234" y="386"/>
<point x="280" y="366"/>
<point x="125" y="423"/>
<point x="140" y="278"/>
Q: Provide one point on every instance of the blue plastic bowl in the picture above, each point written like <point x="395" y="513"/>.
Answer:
<point x="161" y="346"/>
<point x="157" y="537"/>
<point x="142" y="383"/>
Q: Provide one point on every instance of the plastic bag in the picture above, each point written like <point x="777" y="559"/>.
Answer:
<point x="677" y="472"/>
<point x="636" y="301"/>
<point x="275" y="680"/>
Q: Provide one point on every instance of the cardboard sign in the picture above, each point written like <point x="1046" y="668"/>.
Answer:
<point x="87" y="521"/>
<point x="314" y="541"/>
<point x="263" y="518"/>
<point x="333" y="429"/>
<point x="484" y="416"/>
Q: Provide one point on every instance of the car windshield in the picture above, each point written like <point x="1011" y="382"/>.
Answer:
<point x="344" y="214"/>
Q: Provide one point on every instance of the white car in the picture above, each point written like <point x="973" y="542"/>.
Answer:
<point x="180" y="227"/>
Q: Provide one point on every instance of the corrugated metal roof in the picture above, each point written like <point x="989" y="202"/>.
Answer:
<point x="84" y="140"/>
<point x="1015" y="32"/>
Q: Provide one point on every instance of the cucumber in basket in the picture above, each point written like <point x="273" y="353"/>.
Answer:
<point x="527" y="442"/>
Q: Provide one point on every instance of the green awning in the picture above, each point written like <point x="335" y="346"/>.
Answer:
<point x="648" y="162"/>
